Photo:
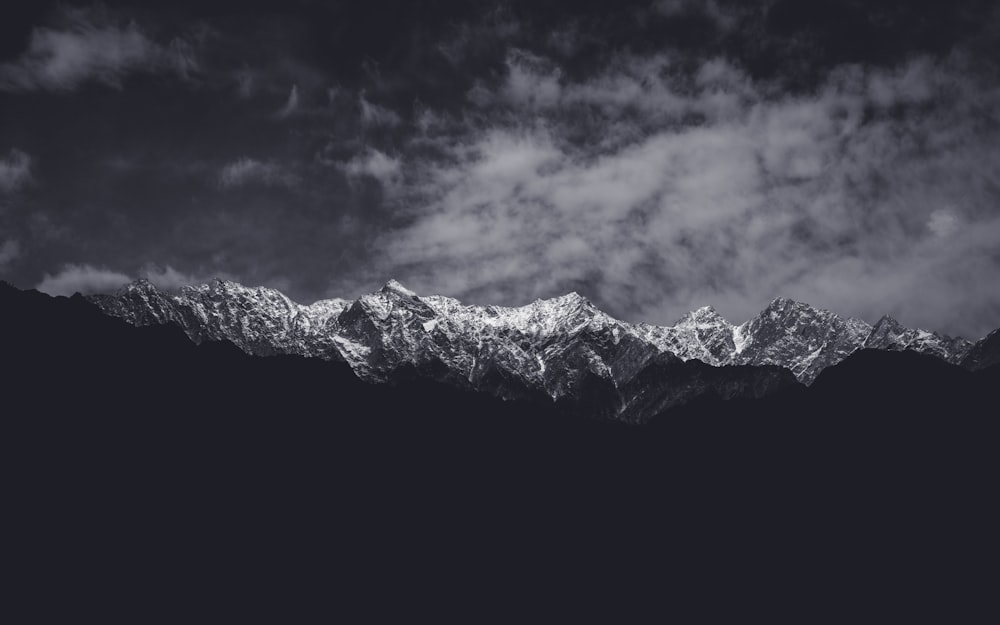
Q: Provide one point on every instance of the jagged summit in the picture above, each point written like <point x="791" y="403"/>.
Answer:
<point x="549" y="346"/>
<point x="785" y="305"/>
<point x="800" y="337"/>
<point x="886" y="326"/>
<point x="702" y="316"/>
<point x="781" y="302"/>
<point x="573" y="298"/>
<point x="888" y="320"/>
<point x="563" y="305"/>
<point x="394" y="286"/>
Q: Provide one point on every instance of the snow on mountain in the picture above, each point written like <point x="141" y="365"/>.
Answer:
<point x="259" y="320"/>
<point x="562" y="348"/>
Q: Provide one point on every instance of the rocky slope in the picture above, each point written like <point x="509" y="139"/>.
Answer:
<point x="563" y="348"/>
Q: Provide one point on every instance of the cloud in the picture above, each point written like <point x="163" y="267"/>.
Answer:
<point x="385" y="169"/>
<point x="245" y="171"/>
<point x="374" y="115"/>
<point x="169" y="279"/>
<point x="93" y="45"/>
<point x="87" y="279"/>
<point x="292" y="104"/>
<point x="469" y="40"/>
<point x="657" y="189"/>
<point x="652" y="158"/>
<point x="10" y="250"/>
<point x="15" y="171"/>
<point x="83" y="279"/>
<point x="943" y="222"/>
<point x="724" y="17"/>
<point x="531" y="80"/>
<point x="245" y="83"/>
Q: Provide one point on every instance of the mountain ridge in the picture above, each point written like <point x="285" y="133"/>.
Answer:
<point x="562" y="347"/>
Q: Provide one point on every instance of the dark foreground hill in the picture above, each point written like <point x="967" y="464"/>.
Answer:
<point x="146" y="478"/>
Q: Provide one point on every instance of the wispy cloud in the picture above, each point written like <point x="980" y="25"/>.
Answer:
<point x="724" y="17"/>
<point x="87" y="279"/>
<point x="10" y="250"/>
<point x="245" y="171"/>
<point x="170" y="279"/>
<point x="15" y="171"/>
<point x="83" y="279"/>
<point x="291" y="104"/>
<point x="375" y="115"/>
<point x="93" y="45"/>
<point x="374" y="164"/>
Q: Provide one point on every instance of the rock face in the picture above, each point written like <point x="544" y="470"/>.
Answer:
<point x="563" y="348"/>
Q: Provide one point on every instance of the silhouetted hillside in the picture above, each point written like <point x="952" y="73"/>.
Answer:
<point x="146" y="476"/>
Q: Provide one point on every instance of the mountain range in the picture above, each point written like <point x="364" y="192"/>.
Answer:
<point x="143" y="469"/>
<point x="564" y="349"/>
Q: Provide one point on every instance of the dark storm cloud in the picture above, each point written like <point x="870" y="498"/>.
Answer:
<point x="656" y="155"/>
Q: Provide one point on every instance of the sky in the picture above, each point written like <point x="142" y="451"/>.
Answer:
<point x="655" y="156"/>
